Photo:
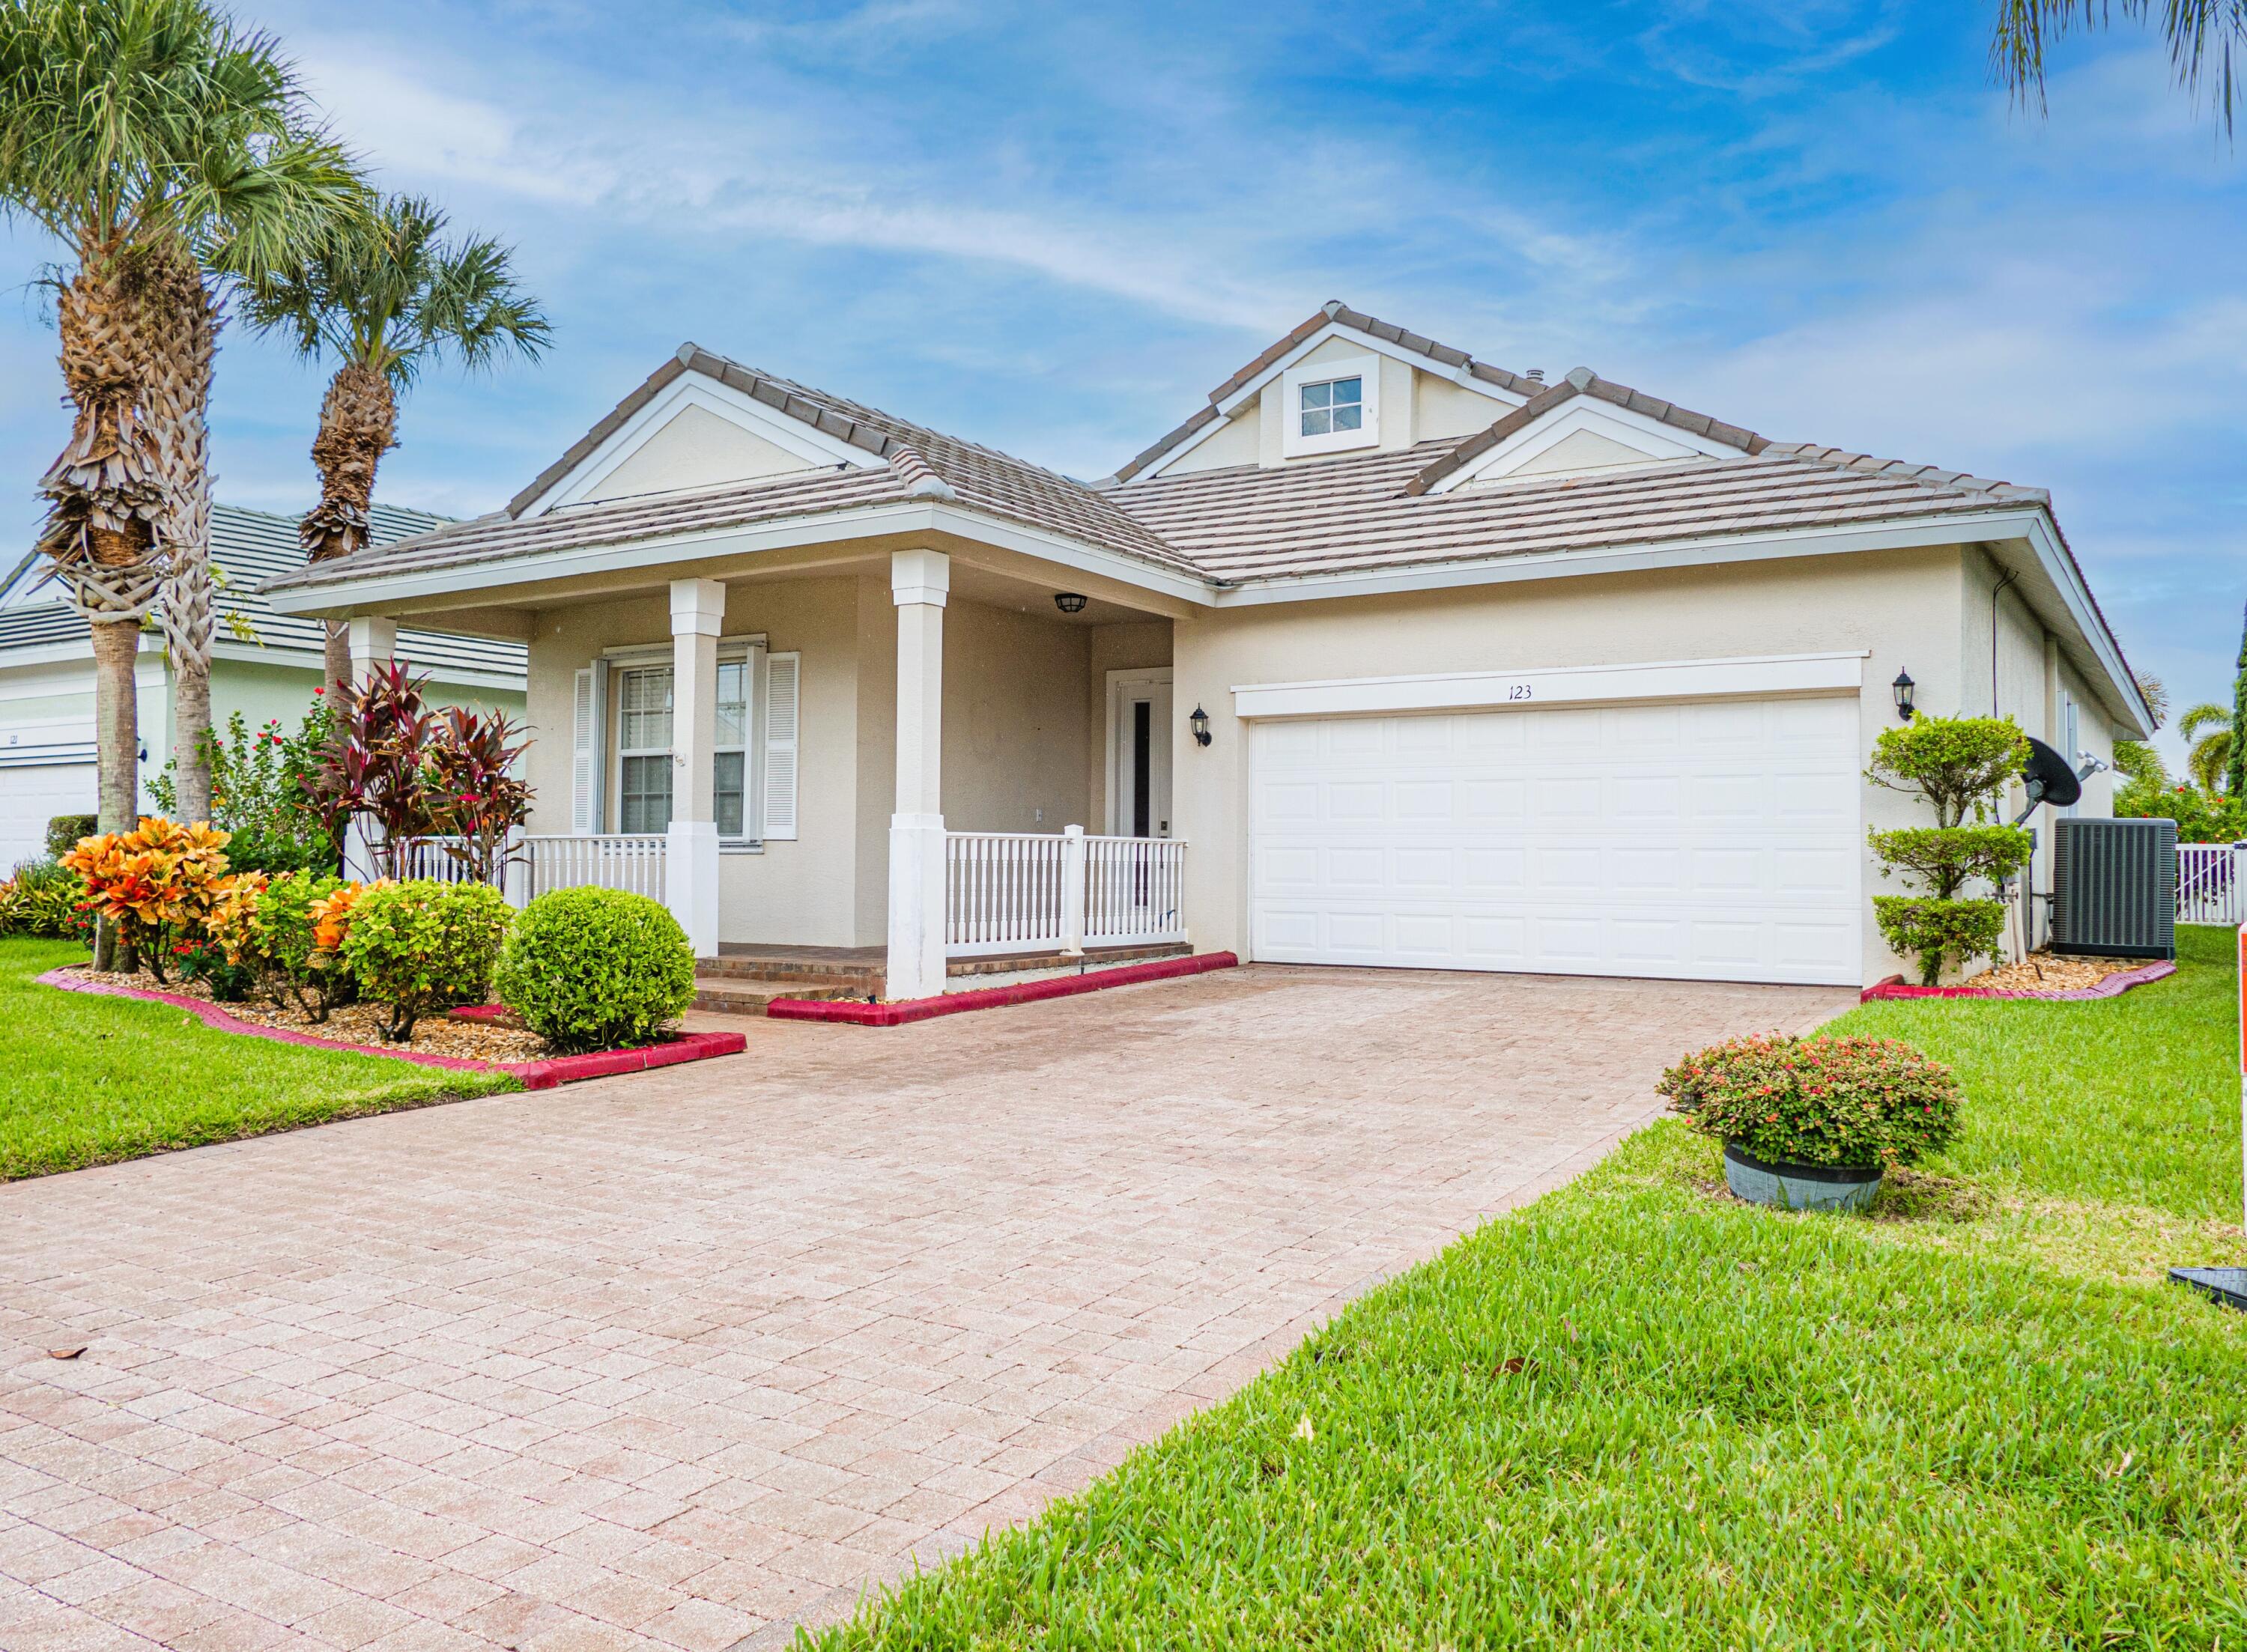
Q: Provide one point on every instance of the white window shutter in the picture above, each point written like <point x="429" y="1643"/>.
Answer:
<point x="784" y="674"/>
<point x="581" y="757"/>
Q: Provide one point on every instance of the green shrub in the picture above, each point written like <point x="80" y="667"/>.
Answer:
<point x="298" y="969"/>
<point x="1934" y="928"/>
<point x="420" y="946"/>
<point x="43" y="899"/>
<point x="1818" y="1101"/>
<point x="64" y="830"/>
<point x="593" y="969"/>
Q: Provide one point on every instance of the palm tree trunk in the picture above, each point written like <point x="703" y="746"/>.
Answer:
<point x="2235" y="767"/>
<point x="358" y="424"/>
<point x="180" y="402"/>
<point x="105" y="496"/>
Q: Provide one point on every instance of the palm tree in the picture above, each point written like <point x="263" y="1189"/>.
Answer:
<point x="2202" y="36"/>
<point x="386" y="301"/>
<point x="165" y="148"/>
<point x="2210" y="753"/>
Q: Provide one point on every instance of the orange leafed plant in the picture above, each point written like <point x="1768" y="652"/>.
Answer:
<point x="332" y="917"/>
<point x="230" y="922"/>
<point x="161" y="875"/>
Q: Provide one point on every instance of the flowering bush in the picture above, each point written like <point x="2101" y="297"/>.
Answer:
<point x="1818" y="1101"/>
<point x="225" y="953"/>
<point x="421" y="944"/>
<point x="156" y="879"/>
<point x="259" y="793"/>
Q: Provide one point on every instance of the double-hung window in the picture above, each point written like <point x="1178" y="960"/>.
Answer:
<point x="643" y="749"/>
<point x="753" y="751"/>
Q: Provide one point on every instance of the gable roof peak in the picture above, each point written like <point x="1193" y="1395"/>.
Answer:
<point x="686" y="352"/>
<point x="1581" y="377"/>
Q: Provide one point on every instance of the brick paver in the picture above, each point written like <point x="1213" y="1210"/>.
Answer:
<point x="673" y="1361"/>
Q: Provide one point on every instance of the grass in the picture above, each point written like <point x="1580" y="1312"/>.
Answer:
<point x="91" y="1080"/>
<point x="1639" y="1414"/>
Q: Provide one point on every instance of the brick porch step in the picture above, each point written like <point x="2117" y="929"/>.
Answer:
<point x="743" y="979"/>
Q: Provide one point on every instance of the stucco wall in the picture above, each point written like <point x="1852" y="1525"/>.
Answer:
<point x="1905" y="607"/>
<point x="1014" y="739"/>
<point x="696" y="449"/>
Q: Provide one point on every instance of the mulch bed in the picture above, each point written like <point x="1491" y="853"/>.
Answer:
<point x="473" y="1037"/>
<point x="468" y="1040"/>
<point x="2045" y="975"/>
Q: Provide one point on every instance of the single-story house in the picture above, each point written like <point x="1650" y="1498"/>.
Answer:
<point x="264" y="665"/>
<point x="1385" y="656"/>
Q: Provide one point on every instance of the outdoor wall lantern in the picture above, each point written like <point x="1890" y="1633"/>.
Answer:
<point x="1200" y="723"/>
<point x="1902" y="687"/>
<point x="1069" y="602"/>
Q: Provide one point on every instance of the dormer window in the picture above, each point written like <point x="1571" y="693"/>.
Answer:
<point x="1329" y="406"/>
<point x="1335" y="403"/>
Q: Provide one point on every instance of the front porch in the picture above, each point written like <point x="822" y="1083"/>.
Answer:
<point x="734" y="773"/>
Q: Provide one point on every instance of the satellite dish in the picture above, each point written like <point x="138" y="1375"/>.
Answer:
<point x="2050" y="777"/>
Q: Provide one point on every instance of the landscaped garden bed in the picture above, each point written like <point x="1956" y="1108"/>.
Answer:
<point x="1643" y="1413"/>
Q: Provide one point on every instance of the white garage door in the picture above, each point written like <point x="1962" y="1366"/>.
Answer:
<point x="1707" y="840"/>
<point x="30" y="797"/>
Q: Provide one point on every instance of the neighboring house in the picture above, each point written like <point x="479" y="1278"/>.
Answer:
<point x="1493" y="674"/>
<point x="264" y="665"/>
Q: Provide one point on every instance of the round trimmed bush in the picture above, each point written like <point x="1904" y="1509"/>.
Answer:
<point x="591" y="969"/>
<point x="1818" y="1101"/>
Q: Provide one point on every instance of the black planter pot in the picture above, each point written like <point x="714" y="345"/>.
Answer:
<point x="1799" y="1187"/>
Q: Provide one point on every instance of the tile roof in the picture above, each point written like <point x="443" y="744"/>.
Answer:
<point x="1338" y="514"/>
<point x="1334" y="311"/>
<point x="917" y="463"/>
<point x="252" y="547"/>
<point x="1242" y="524"/>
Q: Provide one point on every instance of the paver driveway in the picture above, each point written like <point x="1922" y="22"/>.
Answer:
<point x="676" y="1360"/>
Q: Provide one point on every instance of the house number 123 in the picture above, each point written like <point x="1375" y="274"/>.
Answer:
<point x="1517" y="691"/>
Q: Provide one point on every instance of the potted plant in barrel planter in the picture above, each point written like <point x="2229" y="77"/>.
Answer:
<point x="1813" y="1123"/>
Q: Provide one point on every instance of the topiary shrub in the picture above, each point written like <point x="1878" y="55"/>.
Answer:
<point x="591" y="969"/>
<point x="1855" y="1101"/>
<point x="1958" y="765"/>
<point x="421" y="944"/>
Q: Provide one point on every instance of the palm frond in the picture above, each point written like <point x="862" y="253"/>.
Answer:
<point x="2206" y="39"/>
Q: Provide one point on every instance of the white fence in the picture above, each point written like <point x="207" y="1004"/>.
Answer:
<point x="1041" y="891"/>
<point x="2208" y="888"/>
<point x="533" y="865"/>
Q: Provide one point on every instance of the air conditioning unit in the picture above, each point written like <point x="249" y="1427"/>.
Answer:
<point x="2113" y="887"/>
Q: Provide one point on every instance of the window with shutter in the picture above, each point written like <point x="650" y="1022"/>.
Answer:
<point x="783" y="677"/>
<point x="581" y="757"/>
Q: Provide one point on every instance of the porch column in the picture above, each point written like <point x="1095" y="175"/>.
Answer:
<point x="690" y="869"/>
<point x="373" y="642"/>
<point x="918" y="583"/>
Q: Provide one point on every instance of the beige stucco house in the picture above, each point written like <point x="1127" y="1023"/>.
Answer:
<point x="1386" y="656"/>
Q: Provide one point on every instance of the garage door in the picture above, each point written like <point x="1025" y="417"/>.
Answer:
<point x="1705" y="840"/>
<point x="30" y="796"/>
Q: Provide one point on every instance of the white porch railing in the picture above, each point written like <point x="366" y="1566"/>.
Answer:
<point x="1043" y="892"/>
<point x="533" y="865"/>
<point x="2208" y="887"/>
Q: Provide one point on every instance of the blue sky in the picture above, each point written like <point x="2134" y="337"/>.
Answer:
<point x="1054" y="227"/>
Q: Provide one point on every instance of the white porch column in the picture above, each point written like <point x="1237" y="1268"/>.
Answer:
<point x="373" y="642"/>
<point x="918" y="583"/>
<point x="690" y="872"/>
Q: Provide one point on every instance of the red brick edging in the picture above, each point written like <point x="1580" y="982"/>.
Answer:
<point x="2112" y="986"/>
<point x="535" y="1075"/>
<point x="854" y="1014"/>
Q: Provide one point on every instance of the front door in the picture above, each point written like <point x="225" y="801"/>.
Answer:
<point x="1139" y="754"/>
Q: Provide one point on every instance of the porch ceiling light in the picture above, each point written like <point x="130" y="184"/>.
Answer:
<point x="1069" y="602"/>
<point x="1902" y="687"/>
<point x="1200" y="723"/>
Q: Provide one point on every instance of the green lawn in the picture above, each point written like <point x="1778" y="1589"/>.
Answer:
<point x="90" y="1080"/>
<point x="1979" y="1418"/>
